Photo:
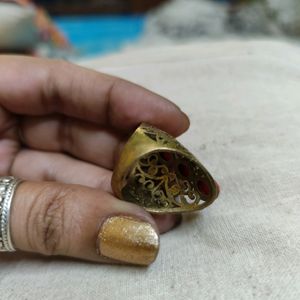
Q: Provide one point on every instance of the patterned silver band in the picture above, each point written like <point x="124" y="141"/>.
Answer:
<point x="8" y="186"/>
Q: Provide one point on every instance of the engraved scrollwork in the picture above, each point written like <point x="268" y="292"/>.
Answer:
<point x="156" y="172"/>
<point x="157" y="183"/>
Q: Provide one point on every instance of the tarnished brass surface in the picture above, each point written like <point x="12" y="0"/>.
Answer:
<point x="156" y="172"/>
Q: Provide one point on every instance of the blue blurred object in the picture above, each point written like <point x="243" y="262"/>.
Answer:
<point x="96" y="35"/>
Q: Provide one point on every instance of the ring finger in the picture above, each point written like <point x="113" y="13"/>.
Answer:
<point x="51" y="166"/>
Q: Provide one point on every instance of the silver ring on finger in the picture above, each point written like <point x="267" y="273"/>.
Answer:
<point x="8" y="185"/>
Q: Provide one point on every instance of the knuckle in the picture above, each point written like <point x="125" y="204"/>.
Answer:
<point x="52" y="95"/>
<point x="47" y="221"/>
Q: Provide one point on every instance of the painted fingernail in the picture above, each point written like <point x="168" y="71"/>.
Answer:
<point x="128" y="240"/>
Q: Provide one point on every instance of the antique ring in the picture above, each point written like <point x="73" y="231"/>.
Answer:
<point x="156" y="172"/>
<point x="8" y="185"/>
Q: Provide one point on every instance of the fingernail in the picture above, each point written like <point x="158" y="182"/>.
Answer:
<point x="128" y="240"/>
<point x="185" y="114"/>
<point x="188" y="122"/>
<point x="218" y="188"/>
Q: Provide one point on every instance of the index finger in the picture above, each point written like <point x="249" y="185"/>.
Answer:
<point x="33" y="86"/>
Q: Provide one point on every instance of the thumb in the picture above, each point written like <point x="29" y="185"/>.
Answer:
<point x="72" y="220"/>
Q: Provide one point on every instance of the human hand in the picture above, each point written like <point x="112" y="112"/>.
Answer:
<point x="61" y="130"/>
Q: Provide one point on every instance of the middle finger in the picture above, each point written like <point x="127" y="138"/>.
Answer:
<point x="83" y="140"/>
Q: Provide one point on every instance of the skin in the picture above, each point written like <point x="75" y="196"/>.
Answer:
<point x="61" y="130"/>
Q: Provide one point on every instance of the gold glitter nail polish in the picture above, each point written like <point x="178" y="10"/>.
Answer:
<point x="128" y="240"/>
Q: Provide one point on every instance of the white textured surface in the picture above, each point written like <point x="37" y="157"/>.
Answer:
<point x="244" y="103"/>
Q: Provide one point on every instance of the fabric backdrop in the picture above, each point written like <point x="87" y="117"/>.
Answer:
<point x="243" y="99"/>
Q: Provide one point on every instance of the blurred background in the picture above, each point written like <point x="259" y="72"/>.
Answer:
<point x="74" y="28"/>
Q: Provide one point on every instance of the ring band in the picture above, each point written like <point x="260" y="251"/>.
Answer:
<point x="8" y="185"/>
<point x="156" y="172"/>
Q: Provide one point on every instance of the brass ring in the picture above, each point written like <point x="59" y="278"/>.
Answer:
<point x="156" y="172"/>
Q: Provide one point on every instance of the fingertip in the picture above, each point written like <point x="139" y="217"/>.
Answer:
<point x="131" y="104"/>
<point x="173" y="120"/>
<point x="185" y="124"/>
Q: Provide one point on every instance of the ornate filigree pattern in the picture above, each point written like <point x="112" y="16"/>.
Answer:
<point x="165" y="180"/>
<point x="156" y="172"/>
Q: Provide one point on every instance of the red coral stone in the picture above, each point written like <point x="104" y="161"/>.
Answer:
<point x="184" y="170"/>
<point x="167" y="156"/>
<point x="203" y="187"/>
